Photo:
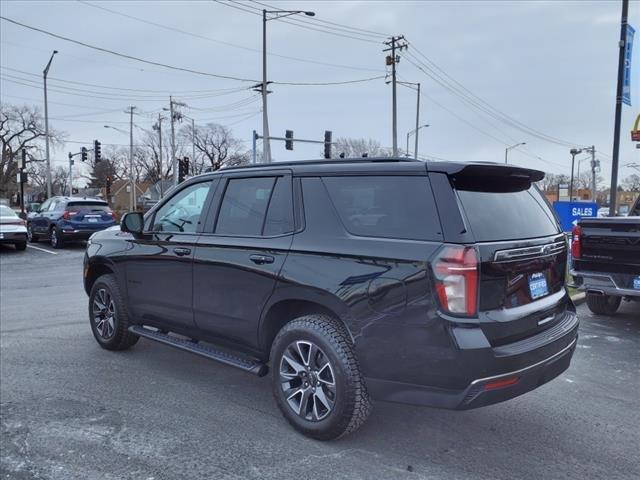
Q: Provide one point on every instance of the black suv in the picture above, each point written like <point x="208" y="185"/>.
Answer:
<point x="437" y="284"/>
<point x="65" y="219"/>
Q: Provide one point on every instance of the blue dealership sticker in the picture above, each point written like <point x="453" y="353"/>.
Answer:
<point x="636" y="283"/>
<point x="538" y="285"/>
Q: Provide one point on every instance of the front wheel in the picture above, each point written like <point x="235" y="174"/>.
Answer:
<point x="56" y="238"/>
<point x="316" y="378"/>
<point x="30" y="235"/>
<point x="603" y="304"/>
<point x="109" y="316"/>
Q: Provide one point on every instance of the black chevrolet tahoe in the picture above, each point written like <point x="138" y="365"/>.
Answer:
<point x="438" y="284"/>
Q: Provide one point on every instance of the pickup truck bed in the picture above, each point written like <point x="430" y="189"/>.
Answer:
<point x="606" y="261"/>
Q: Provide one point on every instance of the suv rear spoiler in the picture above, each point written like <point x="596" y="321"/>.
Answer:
<point x="487" y="176"/>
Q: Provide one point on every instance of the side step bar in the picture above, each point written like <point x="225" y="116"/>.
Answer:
<point x="243" y="363"/>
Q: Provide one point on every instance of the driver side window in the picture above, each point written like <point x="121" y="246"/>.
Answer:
<point x="181" y="213"/>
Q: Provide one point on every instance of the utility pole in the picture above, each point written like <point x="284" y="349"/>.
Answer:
<point x="70" y="173"/>
<point x="254" y="138"/>
<point x="616" y="128"/>
<point x="46" y="124"/>
<point x="22" y="173"/>
<point x="395" y="43"/>
<point x="415" y="149"/>
<point x="193" y="143"/>
<point x="266" y="147"/>
<point x="174" y="161"/>
<point x="132" y="202"/>
<point x="161" y="169"/>
<point x="593" y="171"/>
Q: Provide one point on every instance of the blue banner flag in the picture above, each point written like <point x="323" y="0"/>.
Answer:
<point x="626" y="78"/>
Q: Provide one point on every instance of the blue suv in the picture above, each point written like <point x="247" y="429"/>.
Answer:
<point x="63" y="219"/>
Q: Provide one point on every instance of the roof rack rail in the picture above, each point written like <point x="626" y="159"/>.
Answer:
<point x="325" y="161"/>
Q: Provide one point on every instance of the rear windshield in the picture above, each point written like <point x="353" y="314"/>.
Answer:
<point x="499" y="215"/>
<point x="7" y="212"/>
<point x="91" y="206"/>
<point x="389" y="207"/>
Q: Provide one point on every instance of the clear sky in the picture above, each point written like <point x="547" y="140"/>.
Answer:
<point x="551" y="66"/>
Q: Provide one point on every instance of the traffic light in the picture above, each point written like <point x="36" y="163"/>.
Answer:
<point x="108" y="187"/>
<point x="288" y="144"/>
<point x="327" y="144"/>
<point x="96" y="150"/>
<point x="83" y="151"/>
<point x="180" y="170"/>
<point x="185" y="166"/>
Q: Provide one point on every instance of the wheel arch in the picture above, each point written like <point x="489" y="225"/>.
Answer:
<point x="285" y="307"/>
<point x="95" y="269"/>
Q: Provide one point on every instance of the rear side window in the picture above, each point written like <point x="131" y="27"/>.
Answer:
<point x="280" y="214"/>
<point x="389" y="206"/>
<point x="507" y="215"/>
<point x="244" y="206"/>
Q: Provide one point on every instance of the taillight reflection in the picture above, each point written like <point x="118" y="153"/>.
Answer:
<point x="576" y="239"/>
<point x="456" y="272"/>
<point x="68" y="214"/>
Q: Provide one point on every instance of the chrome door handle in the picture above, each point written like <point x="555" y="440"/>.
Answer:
<point x="261" y="259"/>
<point x="181" y="251"/>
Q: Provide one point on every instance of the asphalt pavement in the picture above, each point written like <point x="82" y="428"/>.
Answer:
<point x="71" y="410"/>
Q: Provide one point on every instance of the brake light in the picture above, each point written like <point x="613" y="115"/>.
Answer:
<point x="68" y="214"/>
<point x="16" y="222"/>
<point x="456" y="272"/>
<point x="113" y="214"/>
<point x="576" y="242"/>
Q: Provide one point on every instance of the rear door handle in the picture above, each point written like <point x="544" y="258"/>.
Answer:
<point x="181" y="251"/>
<point x="261" y="259"/>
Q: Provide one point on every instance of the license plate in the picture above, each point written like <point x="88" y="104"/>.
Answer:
<point x="538" y="285"/>
<point x="636" y="283"/>
<point x="92" y="220"/>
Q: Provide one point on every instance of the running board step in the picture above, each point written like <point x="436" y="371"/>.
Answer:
<point x="243" y="363"/>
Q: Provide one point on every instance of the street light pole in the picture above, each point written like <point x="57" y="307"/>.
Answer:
<point x="161" y="172"/>
<point x="411" y="132"/>
<point x="415" y="149"/>
<point x="193" y="144"/>
<point x="265" y="118"/>
<point x="506" y="150"/>
<point x="573" y="152"/>
<point x="46" y="124"/>
<point x="132" y="172"/>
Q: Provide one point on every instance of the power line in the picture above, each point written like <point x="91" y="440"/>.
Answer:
<point x="220" y="42"/>
<point x="345" y="82"/>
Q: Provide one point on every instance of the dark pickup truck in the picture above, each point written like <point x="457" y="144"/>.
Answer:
<point x="606" y="260"/>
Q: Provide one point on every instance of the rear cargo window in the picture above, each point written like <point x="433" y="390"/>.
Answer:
<point x="389" y="207"/>
<point x="92" y="206"/>
<point x="500" y="215"/>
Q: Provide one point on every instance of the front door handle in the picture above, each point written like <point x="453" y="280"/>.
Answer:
<point x="182" y="251"/>
<point x="261" y="259"/>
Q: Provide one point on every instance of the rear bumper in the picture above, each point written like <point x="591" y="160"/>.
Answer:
<point x="79" y="234"/>
<point x="494" y="374"/>
<point x="605" y="283"/>
<point x="13" y="237"/>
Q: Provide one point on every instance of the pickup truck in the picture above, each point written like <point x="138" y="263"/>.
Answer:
<point x="606" y="260"/>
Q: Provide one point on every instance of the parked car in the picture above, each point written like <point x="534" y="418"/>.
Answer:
<point x="66" y="219"/>
<point x="439" y="284"/>
<point x="606" y="260"/>
<point x="12" y="228"/>
<point x="603" y="212"/>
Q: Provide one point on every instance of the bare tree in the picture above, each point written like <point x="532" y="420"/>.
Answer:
<point x="217" y="146"/>
<point x="148" y="157"/>
<point x="20" y="127"/>
<point x="632" y="182"/>
<point x="357" y="147"/>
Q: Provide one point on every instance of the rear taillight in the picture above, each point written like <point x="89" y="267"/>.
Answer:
<point x="113" y="214"/>
<point x="16" y="222"/>
<point x="576" y="242"/>
<point x="456" y="272"/>
<point x="68" y="214"/>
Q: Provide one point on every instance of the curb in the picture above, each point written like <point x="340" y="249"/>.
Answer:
<point x="579" y="298"/>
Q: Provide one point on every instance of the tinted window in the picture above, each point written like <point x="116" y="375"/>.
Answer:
<point x="91" y="206"/>
<point x="181" y="213"/>
<point x="280" y="214"/>
<point x="392" y="206"/>
<point x="244" y="205"/>
<point x="507" y="215"/>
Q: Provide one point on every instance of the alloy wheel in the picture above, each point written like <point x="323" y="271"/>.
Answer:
<point x="307" y="380"/>
<point x="104" y="314"/>
<point x="54" y="238"/>
<point x="29" y="233"/>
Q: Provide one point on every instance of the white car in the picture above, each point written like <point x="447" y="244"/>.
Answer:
<point x="12" y="228"/>
<point x="603" y="212"/>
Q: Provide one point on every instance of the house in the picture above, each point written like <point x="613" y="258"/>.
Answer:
<point x="154" y="193"/>
<point x="120" y="197"/>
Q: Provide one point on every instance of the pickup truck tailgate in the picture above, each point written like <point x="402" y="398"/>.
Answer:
<point x="610" y="244"/>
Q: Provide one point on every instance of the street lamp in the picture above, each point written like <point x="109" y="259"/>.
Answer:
<point x="132" y="198"/>
<point x="573" y="152"/>
<point x="46" y="124"/>
<point x="506" y="150"/>
<point x="265" y="122"/>
<point x="411" y="132"/>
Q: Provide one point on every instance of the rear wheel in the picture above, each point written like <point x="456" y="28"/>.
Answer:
<point x="109" y="316"/>
<point x="21" y="246"/>
<point x="316" y="378"/>
<point x="56" y="238"/>
<point x="30" y="235"/>
<point x="603" y="304"/>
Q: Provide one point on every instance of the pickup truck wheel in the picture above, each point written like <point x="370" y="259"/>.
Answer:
<point x="316" y="378"/>
<point x="603" y="304"/>
<point x="108" y="315"/>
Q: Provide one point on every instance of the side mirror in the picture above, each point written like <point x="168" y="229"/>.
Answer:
<point x="132" y="222"/>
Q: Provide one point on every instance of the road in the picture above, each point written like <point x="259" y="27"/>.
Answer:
<point x="71" y="410"/>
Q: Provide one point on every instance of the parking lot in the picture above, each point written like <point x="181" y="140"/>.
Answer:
<point x="71" y="410"/>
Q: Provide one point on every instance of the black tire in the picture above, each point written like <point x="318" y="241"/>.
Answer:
<point x="603" y="304"/>
<point x="21" y="246"/>
<point x="113" y="335"/>
<point x="349" y="397"/>
<point x="56" y="238"/>
<point x="32" y="237"/>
